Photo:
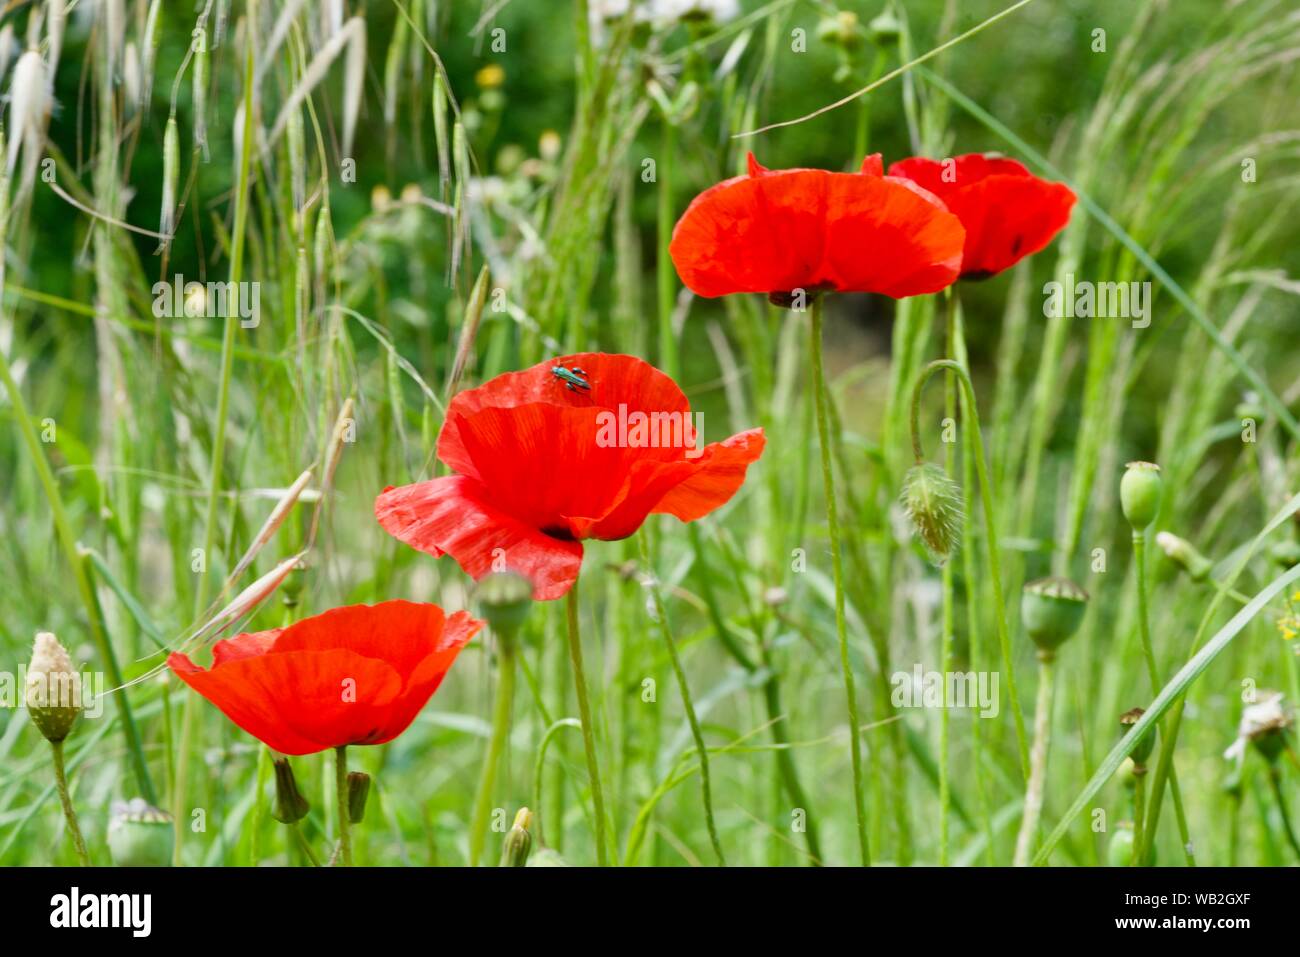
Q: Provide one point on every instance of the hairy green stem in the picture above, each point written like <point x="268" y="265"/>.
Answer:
<point x="65" y="798"/>
<point x="496" y="745"/>
<point x="341" y="791"/>
<point x="841" y="625"/>
<point x="1038" y="762"/>
<point x="990" y="531"/>
<point x="584" y="714"/>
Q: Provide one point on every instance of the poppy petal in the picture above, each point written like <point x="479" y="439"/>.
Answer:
<point x="452" y="515"/>
<point x="720" y="473"/>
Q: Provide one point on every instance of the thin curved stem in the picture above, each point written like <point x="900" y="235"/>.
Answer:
<point x="990" y="530"/>
<point x="841" y="625"/>
<point x="1139" y="799"/>
<point x="496" y="745"/>
<point x="584" y="713"/>
<point x="65" y="798"/>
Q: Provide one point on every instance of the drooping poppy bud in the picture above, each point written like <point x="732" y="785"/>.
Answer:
<point x="358" y="791"/>
<point x="934" y="506"/>
<point x="1052" y="610"/>
<point x="1139" y="494"/>
<point x="290" y="806"/>
<point x="52" y="689"/>
<point x="1184" y="554"/>
<point x="140" y="835"/>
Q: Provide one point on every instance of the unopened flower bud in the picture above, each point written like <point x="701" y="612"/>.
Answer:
<point x="1142" y="750"/>
<point x="1119" y="852"/>
<point x="140" y="835"/>
<point x="1139" y="494"/>
<point x="358" y="791"/>
<point x="934" y="505"/>
<point x="290" y="806"/>
<point x="1184" y="554"/>
<point x="885" y="30"/>
<point x="505" y="598"/>
<point x="53" y="689"/>
<point x="841" y="29"/>
<point x="519" y="840"/>
<point x="1052" y="610"/>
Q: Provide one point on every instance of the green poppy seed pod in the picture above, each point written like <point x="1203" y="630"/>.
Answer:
<point x="934" y="505"/>
<point x="885" y="30"/>
<point x="1052" y="610"/>
<point x="290" y="806"/>
<point x="1139" y="494"/>
<point x="358" y="791"/>
<point x="505" y="598"/>
<point x="1184" y="554"/>
<point x="140" y="835"/>
<point x="52" y="690"/>
<point x="1142" y="750"/>
<point x="1119" y="852"/>
<point x="519" y="840"/>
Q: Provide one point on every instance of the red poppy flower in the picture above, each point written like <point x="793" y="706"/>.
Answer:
<point x="585" y="446"/>
<point x="353" y="675"/>
<point x="774" y="231"/>
<point x="1008" y="212"/>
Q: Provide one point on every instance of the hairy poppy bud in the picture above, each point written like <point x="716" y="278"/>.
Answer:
<point x="52" y="689"/>
<point x="1142" y="750"/>
<point x="1139" y="494"/>
<point x="519" y="840"/>
<point x="505" y="598"/>
<point x="1184" y="554"/>
<point x="934" y="505"/>
<point x="290" y="806"/>
<point x="140" y="835"/>
<point x="358" y="791"/>
<point x="1052" y="610"/>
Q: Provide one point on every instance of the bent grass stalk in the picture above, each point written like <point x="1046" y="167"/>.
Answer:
<point x="841" y="625"/>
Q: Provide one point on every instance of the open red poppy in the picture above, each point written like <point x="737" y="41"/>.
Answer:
<point x="1008" y="212"/>
<point x="585" y="446"/>
<point x="353" y="675"/>
<point x="775" y="231"/>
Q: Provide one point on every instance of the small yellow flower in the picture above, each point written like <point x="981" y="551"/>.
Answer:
<point x="490" y="77"/>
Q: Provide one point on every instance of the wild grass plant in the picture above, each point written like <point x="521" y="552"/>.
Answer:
<point x="372" y="207"/>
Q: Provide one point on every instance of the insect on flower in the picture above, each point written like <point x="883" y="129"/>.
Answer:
<point x="574" y="379"/>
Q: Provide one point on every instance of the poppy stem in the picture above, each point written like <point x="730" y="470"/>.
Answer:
<point x="700" y="748"/>
<point x="1038" y="762"/>
<point x="65" y="798"/>
<point x="341" y="786"/>
<point x="833" y="524"/>
<point x="500" y="734"/>
<point x="584" y="713"/>
<point x="971" y="412"/>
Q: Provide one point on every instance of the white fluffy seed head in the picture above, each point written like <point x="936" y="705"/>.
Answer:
<point x="29" y="105"/>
